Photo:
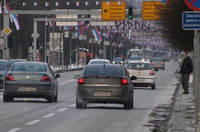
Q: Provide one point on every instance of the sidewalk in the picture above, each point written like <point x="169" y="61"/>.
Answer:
<point x="183" y="117"/>
<point x="174" y="113"/>
<point x="72" y="68"/>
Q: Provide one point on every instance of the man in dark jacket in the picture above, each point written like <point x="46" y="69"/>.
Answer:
<point x="186" y="71"/>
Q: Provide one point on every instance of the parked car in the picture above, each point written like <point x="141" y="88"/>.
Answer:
<point x="118" y="60"/>
<point x="4" y="68"/>
<point x="99" y="61"/>
<point x="144" y="73"/>
<point x="158" y="64"/>
<point x="31" y="80"/>
<point x="16" y="60"/>
<point x="104" y="84"/>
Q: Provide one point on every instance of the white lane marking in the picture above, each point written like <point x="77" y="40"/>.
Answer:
<point x="72" y="105"/>
<point x="62" y="109"/>
<point x="14" y="130"/>
<point x="32" y="122"/>
<point x="49" y="115"/>
<point x="67" y="82"/>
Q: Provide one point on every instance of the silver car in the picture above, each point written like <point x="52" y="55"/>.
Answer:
<point x="158" y="64"/>
<point x="104" y="84"/>
<point x="30" y="80"/>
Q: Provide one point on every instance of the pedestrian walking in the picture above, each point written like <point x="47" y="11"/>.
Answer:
<point x="87" y="59"/>
<point x="186" y="71"/>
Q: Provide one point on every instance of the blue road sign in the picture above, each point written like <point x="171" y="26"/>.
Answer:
<point x="193" y="4"/>
<point x="191" y="20"/>
<point x="164" y="1"/>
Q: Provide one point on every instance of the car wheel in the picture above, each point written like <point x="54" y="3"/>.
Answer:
<point x="163" y="69"/>
<point x="50" y="99"/>
<point x="153" y="86"/>
<point x="80" y="105"/>
<point x="132" y="103"/>
<point x="6" y="98"/>
<point x="128" y="104"/>
<point x="56" y="97"/>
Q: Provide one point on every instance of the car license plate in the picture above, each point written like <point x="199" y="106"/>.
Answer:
<point x="96" y="93"/>
<point x="29" y="89"/>
<point x="140" y="79"/>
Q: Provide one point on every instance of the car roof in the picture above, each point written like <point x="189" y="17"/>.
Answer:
<point x="30" y="62"/>
<point x="3" y="60"/>
<point x="99" y="60"/>
<point x="147" y="62"/>
<point x="106" y="65"/>
<point x="134" y="55"/>
<point x="17" y="59"/>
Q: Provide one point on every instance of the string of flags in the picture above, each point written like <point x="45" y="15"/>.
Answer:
<point x="57" y="4"/>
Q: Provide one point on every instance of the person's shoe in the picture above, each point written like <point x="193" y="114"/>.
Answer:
<point x="185" y="93"/>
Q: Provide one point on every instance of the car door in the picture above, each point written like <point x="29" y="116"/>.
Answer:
<point x="54" y="80"/>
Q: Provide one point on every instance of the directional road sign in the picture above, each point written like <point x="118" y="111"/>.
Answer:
<point x="193" y="4"/>
<point x="191" y="20"/>
<point x="7" y="30"/>
<point x="113" y="10"/>
<point x="149" y="10"/>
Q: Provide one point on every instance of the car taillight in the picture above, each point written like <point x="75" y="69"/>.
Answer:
<point x="9" y="78"/>
<point x="124" y="82"/>
<point x="46" y="78"/>
<point x="163" y="63"/>
<point x="151" y="63"/>
<point x="151" y="73"/>
<point x="80" y="81"/>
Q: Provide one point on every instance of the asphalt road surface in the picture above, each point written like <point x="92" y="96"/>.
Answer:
<point x="36" y="115"/>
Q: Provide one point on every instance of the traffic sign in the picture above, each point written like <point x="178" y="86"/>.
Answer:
<point x="149" y="10"/>
<point x="7" y="30"/>
<point x="193" y="4"/>
<point x="191" y="20"/>
<point x="164" y="1"/>
<point x="113" y="10"/>
<point x="36" y="35"/>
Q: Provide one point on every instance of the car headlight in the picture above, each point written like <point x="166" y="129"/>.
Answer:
<point x="122" y="62"/>
<point x="113" y="62"/>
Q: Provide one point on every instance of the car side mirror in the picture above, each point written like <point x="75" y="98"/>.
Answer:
<point x="77" y="76"/>
<point x="133" y="78"/>
<point x="57" y="76"/>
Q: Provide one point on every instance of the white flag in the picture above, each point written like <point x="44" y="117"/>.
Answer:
<point x="0" y="9"/>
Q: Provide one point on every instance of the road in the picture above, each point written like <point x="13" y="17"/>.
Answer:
<point x="36" y="115"/>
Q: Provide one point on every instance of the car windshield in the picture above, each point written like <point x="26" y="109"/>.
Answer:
<point x="157" y="60"/>
<point x="139" y="66"/>
<point x="99" y="62"/>
<point x="134" y="58"/>
<point x="103" y="71"/>
<point x="29" y="67"/>
<point x="117" y="59"/>
<point x="3" y="66"/>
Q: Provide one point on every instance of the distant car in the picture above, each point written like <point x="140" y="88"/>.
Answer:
<point x="31" y="80"/>
<point x="16" y="60"/>
<point x="99" y="61"/>
<point x="118" y="60"/>
<point x="104" y="84"/>
<point x="158" y="64"/>
<point x="4" y="68"/>
<point x="166" y="58"/>
<point x="144" y="73"/>
<point x="135" y="58"/>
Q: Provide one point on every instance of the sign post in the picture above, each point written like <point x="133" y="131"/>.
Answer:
<point x="113" y="10"/>
<point x="191" y="21"/>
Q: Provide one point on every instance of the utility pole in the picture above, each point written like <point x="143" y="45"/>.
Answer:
<point x="45" y="41"/>
<point x="5" y="37"/>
